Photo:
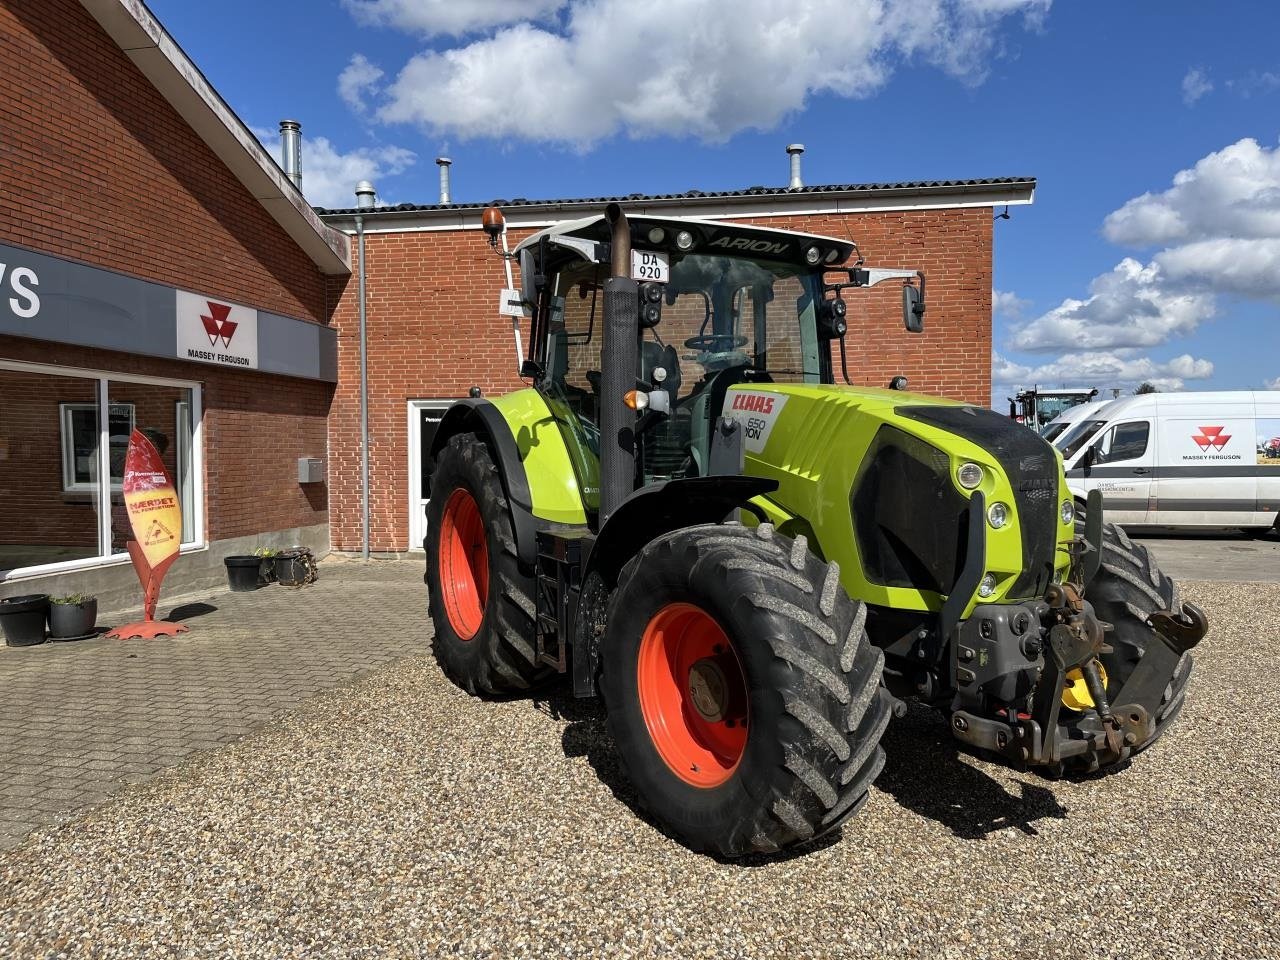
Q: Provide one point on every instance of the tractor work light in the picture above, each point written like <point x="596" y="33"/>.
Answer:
<point x="656" y="235"/>
<point x="988" y="586"/>
<point x="684" y="240"/>
<point x="969" y="475"/>
<point x="998" y="515"/>
<point x="833" y="255"/>
<point x="1068" y="511"/>
<point x="812" y="255"/>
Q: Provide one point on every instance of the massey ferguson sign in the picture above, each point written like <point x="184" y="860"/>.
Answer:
<point x="1207" y="441"/>
<point x="212" y="331"/>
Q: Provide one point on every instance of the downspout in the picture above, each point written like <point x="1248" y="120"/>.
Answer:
<point x="364" y="400"/>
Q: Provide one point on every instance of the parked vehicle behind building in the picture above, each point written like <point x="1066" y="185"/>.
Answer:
<point x="1061" y="424"/>
<point x="1180" y="459"/>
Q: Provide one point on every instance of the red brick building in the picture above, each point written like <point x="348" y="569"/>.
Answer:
<point x="432" y="287"/>
<point x="138" y="215"/>
<point x="132" y="202"/>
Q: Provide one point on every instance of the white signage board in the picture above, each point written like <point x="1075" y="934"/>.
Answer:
<point x="1207" y="440"/>
<point x="650" y="265"/>
<point x="214" y="331"/>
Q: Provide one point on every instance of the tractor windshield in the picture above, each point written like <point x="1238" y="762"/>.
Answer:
<point x="724" y="320"/>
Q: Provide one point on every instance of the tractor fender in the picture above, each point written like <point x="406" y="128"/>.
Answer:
<point x="479" y="416"/>
<point x="662" y="507"/>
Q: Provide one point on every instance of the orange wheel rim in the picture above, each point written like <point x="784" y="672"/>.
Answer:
<point x="464" y="564"/>
<point x="693" y="695"/>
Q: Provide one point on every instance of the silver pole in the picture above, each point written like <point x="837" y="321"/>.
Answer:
<point x="364" y="401"/>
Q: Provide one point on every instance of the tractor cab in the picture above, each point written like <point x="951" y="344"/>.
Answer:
<point x="719" y="305"/>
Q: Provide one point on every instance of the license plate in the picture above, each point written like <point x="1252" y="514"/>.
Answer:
<point x="648" y="265"/>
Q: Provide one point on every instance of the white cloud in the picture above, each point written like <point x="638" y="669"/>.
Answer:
<point x="1255" y="82"/>
<point x="448" y="17"/>
<point x="1102" y="369"/>
<point x="1132" y="306"/>
<point x="1250" y="268"/>
<point x="1195" y="85"/>
<point x="702" y="68"/>
<point x="329" y="176"/>
<point x="1273" y="384"/>
<point x="358" y="81"/>
<point x="1234" y="192"/>
<point x="1007" y="304"/>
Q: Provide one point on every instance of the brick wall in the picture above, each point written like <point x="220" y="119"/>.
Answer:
<point x="255" y="429"/>
<point x="434" y="332"/>
<point x="95" y="165"/>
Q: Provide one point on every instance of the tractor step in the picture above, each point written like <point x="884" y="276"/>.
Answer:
<point x="558" y="583"/>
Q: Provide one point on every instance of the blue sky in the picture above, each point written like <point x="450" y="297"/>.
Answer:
<point x="1115" y="275"/>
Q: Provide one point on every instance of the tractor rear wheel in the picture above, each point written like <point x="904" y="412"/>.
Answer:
<point x="742" y="693"/>
<point x="1127" y="589"/>
<point x="480" y="599"/>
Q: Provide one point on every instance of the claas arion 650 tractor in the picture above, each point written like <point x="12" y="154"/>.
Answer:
<point x="754" y="565"/>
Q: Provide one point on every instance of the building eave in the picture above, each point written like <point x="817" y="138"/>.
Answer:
<point x="144" y="41"/>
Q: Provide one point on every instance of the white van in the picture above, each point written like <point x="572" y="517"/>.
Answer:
<point x="1180" y="459"/>
<point x="1069" y="417"/>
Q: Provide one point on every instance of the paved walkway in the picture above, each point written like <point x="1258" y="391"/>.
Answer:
<point x="1219" y="555"/>
<point x="78" y="720"/>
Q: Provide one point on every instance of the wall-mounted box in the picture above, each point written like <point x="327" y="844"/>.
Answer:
<point x="311" y="470"/>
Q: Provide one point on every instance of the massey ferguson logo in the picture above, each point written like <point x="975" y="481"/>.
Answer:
<point x="216" y="324"/>
<point x="1211" y="438"/>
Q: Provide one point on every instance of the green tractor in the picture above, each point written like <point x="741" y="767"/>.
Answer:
<point x="755" y="566"/>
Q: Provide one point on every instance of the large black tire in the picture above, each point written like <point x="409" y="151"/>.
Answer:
<point x="814" y="705"/>
<point x="1128" y="588"/>
<point x="498" y="658"/>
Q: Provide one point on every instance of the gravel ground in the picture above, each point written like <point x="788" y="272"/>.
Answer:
<point x="398" y="817"/>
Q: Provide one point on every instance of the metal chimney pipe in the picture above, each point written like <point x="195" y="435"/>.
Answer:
<point x="366" y="195"/>
<point x="444" y="163"/>
<point x="794" y="150"/>
<point x="291" y="150"/>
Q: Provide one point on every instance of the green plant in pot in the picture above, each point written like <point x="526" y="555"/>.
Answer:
<point x="72" y="616"/>
<point x="267" y="566"/>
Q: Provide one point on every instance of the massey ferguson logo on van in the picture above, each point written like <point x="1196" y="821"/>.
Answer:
<point x="1211" y="437"/>
<point x="757" y="413"/>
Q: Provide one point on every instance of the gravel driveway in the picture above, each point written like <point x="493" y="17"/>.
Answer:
<point x="398" y="817"/>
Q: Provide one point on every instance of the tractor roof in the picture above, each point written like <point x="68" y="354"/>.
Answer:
<point x="713" y="236"/>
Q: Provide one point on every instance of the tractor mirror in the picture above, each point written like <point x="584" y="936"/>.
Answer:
<point x="913" y="308"/>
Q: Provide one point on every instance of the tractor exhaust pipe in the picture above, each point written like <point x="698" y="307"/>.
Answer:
<point x="619" y="365"/>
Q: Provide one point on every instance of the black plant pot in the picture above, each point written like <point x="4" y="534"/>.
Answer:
<point x="242" y="573"/>
<point x="22" y="619"/>
<point x="291" y="569"/>
<point x="71" y="620"/>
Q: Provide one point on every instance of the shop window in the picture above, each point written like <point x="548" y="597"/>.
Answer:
<point x="56" y="444"/>
<point x="80" y="435"/>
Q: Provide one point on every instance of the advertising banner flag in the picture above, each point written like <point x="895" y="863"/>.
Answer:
<point x="155" y="516"/>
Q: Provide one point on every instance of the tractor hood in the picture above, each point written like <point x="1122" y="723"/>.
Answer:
<point x="876" y="477"/>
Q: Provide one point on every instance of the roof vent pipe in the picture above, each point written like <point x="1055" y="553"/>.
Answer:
<point x="366" y="196"/>
<point x="291" y="150"/>
<point x="794" y="150"/>
<point x="443" y="163"/>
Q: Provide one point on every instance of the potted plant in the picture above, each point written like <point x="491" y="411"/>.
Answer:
<point x="243" y="572"/>
<point x="267" y="565"/>
<point x="295" y="567"/>
<point x="72" y="617"/>
<point x="22" y="619"/>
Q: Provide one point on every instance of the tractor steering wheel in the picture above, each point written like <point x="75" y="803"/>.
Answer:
<point x="716" y="342"/>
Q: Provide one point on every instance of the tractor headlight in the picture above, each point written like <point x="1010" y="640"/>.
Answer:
<point x="656" y="235"/>
<point x="1068" y="511"/>
<point x="998" y="515"/>
<point x="987" y="586"/>
<point x="684" y="240"/>
<point x="969" y="475"/>
<point x="812" y="255"/>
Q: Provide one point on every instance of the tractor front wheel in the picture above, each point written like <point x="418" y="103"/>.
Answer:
<point x="481" y="601"/>
<point x="741" y="691"/>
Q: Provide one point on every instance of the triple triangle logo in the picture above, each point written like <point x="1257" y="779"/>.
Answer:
<point x="1211" y="437"/>
<point x="157" y="532"/>
<point x="216" y="324"/>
